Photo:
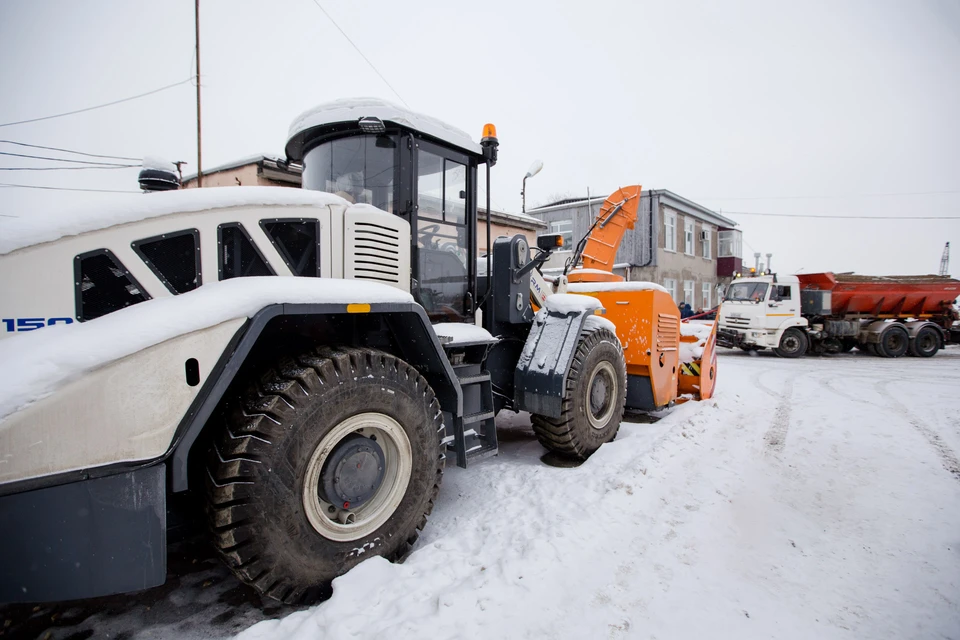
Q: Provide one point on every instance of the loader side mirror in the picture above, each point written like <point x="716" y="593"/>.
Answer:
<point x="550" y="242"/>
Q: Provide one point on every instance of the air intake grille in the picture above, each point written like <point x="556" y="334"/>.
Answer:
<point x="376" y="254"/>
<point x="668" y="332"/>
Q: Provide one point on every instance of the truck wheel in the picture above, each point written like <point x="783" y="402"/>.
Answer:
<point x="793" y="344"/>
<point x="329" y="458"/>
<point x="894" y="342"/>
<point x="926" y="343"/>
<point x="593" y="401"/>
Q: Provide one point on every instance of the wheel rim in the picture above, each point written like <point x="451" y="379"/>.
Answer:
<point x="354" y="522"/>
<point x="894" y="342"/>
<point x="601" y="392"/>
<point x="791" y="344"/>
<point x="926" y="342"/>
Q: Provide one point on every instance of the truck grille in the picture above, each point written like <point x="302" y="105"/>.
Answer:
<point x="668" y="332"/>
<point x="376" y="254"/>
<point x="737" y="322"/>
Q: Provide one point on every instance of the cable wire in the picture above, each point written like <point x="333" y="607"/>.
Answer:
<point x="119" y="166"/>
<point x="833" y="197"/>
<point x="837" y="217"/>
<point x="36" y="186"/>
<point x="79" y="153"/>
<point x="99" y="106"/>
<point x="84" y="162"/>
<point x="330" y="18"/>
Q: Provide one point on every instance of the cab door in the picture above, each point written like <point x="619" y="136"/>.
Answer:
<point x="783" y="302"/>
<point x="444" y="238"/>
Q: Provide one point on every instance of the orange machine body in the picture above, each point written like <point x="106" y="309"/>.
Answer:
<point x="647" y="319"/>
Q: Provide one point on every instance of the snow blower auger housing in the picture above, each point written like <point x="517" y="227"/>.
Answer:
<point x="309" y="418"/>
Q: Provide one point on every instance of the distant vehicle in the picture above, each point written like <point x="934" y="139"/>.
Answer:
<point x="887" y="316"/>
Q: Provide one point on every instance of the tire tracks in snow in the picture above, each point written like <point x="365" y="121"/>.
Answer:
<point x="776" y="435"/>
<point x="948" y="458"/>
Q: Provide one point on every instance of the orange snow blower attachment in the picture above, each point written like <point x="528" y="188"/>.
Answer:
<point x="663" y="364"/>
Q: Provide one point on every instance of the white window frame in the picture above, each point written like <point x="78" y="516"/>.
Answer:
<point x="689" y="236"/>
<point x="707" y="242"/>
<point x="564" y="228"/>
<point x="670" y="231"/>
<point x="670" y="284"/>
<point x="689" y="289"/>
<point x="706" y="292"/>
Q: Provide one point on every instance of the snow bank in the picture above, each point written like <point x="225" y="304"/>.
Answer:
<point x="459" y="332"/>
<point x="352" y="109"/>
<point x="38" y="362"/>
<point x="565" y="303"/>
<point x="16" y="233"/>
<point x="600" y="287"/>
<point x="691" y="351"/>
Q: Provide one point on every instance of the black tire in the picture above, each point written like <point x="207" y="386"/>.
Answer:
<point x="894" y="342"/>
<point x="793" y="344"/>
<point x="273" y="449"/>
<point x="592" y="410"/>
<point x="926" y="343"/>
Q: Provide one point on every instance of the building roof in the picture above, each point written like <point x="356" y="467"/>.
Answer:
<point x="512" y="219"/>
<point x="352" y="109"/>
<point x="666" y="196"/>
<point x="285" y="171"/>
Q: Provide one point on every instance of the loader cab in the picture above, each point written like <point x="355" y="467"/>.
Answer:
<point x="422" y="170"/>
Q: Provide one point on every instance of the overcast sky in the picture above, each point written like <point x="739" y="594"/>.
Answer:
<point x="773" y="107"/>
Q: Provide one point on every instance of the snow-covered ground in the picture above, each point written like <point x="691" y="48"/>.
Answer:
<point x="811" y="498"/>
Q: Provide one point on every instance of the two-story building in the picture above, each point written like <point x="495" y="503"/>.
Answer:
<point x="689" y="249"/>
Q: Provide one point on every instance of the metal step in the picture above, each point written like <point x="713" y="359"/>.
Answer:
<point x="476" y="379"/>
<point x="478" y="417"/>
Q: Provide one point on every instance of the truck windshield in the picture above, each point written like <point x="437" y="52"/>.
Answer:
<point x="359" y="169"/>
<point x="746" y="291"/>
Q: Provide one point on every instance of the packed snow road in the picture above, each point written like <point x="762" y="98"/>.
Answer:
<point x="817" y="497"/>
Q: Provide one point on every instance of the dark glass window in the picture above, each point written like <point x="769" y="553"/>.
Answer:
<point x="174" y="258"/>
<point x="103" y="285"/>
<point x="358" y="168"/>
<point x="239" y="257"/>
<point x="297" y="243"/>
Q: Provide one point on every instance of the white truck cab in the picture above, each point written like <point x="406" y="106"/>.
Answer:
<point x="759" y="310"/>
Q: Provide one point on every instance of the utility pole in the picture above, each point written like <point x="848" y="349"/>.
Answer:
<point x="945" y="261"/>
<point x="196" y="22"/>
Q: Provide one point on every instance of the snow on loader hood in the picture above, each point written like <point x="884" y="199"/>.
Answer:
<point x="39" y="362"/>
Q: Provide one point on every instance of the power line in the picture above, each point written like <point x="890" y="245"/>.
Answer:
<point x="99" y="106"/>
<point x="36" y="186"/>
<point x="119" y="166"/>
<point x="838" y="197"/>
<point x="329" y="17"/>
<point x="84" y="162"/>
<point x="79" y="153"/>
<point x="838" y="217"/>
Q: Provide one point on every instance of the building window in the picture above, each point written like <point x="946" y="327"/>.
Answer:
<point x="706" y="288"/>
<point x="688" y="228"/>
<point x="669" y="231"/>
<point x="564" y="228"/>
<point x="671" y="286"/>
<point x="729" y="244"/>
<point x="688" y="292"/>
<point x="707" y="235"/>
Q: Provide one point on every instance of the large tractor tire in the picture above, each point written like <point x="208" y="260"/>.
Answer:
<point x="894" y="342"/>
<point x="593" y="399"/>
<point x="329" y="458"/>
<point x="926" y="343"/>
<point x="793" y="344"/>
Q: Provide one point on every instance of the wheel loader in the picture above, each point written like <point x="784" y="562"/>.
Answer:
<point x="165" y="371"/>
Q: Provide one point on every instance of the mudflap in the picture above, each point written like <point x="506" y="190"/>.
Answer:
<point x="698" y="378"/>
<point x="541" y="374"/>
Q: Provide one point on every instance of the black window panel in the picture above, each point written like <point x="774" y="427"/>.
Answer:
<point x="297" y="242"/>
<point x="103" y="285"/>
<point x="239" y="257"/>
<point x="174" y="258"/>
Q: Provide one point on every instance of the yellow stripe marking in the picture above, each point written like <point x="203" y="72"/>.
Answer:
<point x="778" y="315"/>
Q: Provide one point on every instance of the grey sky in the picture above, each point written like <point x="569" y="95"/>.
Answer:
<point x="715" y="101"/>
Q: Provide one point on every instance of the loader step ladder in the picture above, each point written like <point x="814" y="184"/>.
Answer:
<point x="474" y="431"/>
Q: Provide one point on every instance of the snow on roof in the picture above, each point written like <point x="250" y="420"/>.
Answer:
<point x="37" y="363"/>
<point x="16" y="233"/>
<point x="352" y="109"/>
<point x="598" y="287"/>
